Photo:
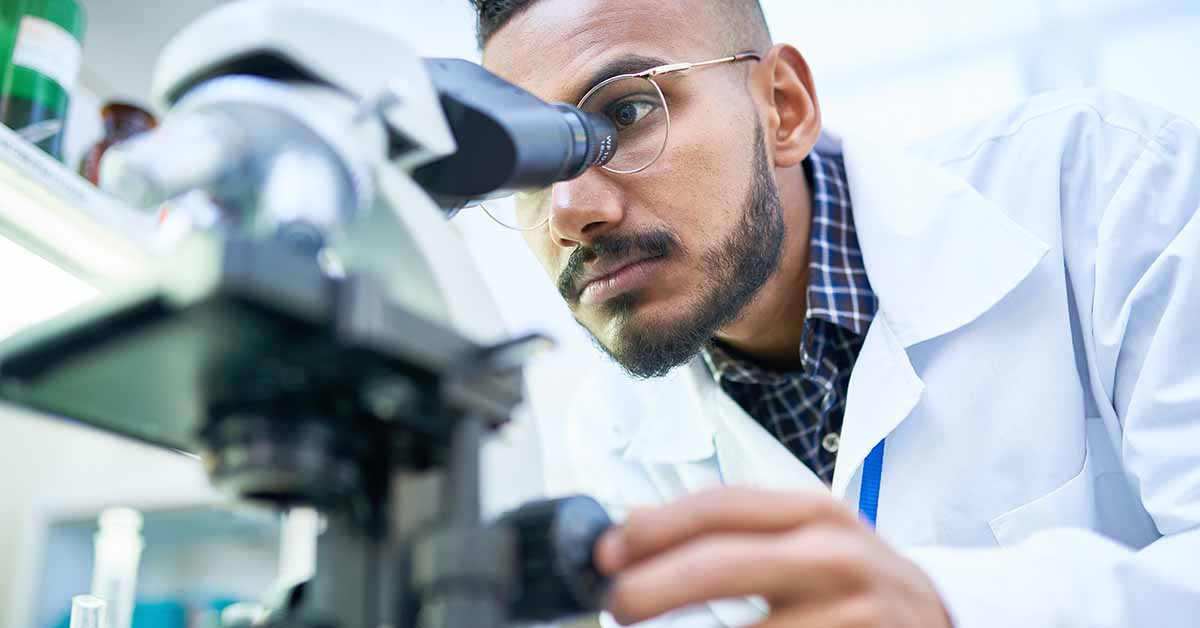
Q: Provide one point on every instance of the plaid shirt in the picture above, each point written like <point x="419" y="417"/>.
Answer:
<point x="803" y="409"/>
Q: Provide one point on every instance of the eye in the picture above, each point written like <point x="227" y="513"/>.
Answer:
<point x="627" y="113"/>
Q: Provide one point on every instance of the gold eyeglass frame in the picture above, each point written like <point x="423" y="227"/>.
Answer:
<point x="649" y="75"/>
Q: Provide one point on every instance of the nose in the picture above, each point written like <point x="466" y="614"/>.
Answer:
<point x="584" y="209"/>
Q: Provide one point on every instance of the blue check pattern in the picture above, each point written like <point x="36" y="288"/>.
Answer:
<point x="804" y="409"/>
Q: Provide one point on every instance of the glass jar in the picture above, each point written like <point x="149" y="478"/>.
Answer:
<point x="41" y="49"/>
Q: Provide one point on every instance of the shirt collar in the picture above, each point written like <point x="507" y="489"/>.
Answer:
<point x="838" y="289"/>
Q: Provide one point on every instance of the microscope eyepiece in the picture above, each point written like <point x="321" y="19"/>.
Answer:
<point x="594" y="140"/>
<point x="508" y="139"/>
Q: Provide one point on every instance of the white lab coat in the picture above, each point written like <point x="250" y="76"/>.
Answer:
<point x="1034" y="367"/>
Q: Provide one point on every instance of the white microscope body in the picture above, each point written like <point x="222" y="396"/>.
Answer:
<point x="278" y="93"/>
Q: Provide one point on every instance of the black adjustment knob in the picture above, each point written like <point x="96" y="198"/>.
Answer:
<point x="555" y="572"/>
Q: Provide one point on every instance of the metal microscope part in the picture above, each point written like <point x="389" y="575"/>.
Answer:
<point x="284" y="160"/>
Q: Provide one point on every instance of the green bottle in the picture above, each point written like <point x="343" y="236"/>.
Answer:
<point x="40" y="44"/>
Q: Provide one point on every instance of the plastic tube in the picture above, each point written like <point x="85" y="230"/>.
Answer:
<point x="298" y="545"/>
<point x="87" y="611"/>
<point x="114" y="574"/>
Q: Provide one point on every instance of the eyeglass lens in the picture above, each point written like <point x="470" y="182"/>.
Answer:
<point x="637" y="108"/>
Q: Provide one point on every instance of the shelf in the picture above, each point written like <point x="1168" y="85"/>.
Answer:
<point x="61" y="217"/>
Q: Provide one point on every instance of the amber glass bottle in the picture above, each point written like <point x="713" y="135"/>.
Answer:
<point x="121" y="122"/>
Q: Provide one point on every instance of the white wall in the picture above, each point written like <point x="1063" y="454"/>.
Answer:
<point x="902" y="69"/>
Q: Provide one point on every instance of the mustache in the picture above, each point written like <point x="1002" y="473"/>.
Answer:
<point x="652" y="244"/>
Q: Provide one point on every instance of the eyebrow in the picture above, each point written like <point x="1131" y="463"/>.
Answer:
<point x="629" y="64"/>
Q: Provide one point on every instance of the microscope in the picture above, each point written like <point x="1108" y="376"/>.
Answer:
<point x="317" y="337"/>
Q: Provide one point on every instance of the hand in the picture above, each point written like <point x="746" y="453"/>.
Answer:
<point x="809" y="556"/>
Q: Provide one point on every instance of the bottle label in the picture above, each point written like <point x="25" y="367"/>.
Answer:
<point x="49" y="49"/>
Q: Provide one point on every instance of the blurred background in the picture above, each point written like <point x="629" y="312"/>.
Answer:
<point x="895" y="70"/>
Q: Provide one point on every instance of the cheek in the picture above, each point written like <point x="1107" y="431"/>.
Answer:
<point x="696" y="188"/>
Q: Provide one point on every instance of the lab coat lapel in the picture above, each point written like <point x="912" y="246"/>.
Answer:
<point x="695" y="437"/>
<point x="883" y="390"/>
<point x="938" y="254"/>
<point x="673" y="427"/>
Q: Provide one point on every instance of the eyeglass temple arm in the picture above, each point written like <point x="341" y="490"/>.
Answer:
<point x="683" y="67"/>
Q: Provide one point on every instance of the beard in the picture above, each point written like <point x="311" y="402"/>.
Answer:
<point x="735" y="271"/>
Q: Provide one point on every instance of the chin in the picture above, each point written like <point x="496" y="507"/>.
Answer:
<point x="636" y="310"/>
<point x="637" y="318"/>
<point x="645" y="320"/>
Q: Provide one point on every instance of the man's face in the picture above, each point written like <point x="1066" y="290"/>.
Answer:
<point x="653" y="263"/>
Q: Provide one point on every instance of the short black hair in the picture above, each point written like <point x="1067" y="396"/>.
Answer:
<point x="746" y="26"/>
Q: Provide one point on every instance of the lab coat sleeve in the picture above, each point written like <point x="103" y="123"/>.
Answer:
<point x="1145" y="337"/>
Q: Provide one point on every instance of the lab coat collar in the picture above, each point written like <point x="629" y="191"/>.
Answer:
<point x="884" y="389"/>
<point x="938" y="254"/>
<point x="674" y="425"/>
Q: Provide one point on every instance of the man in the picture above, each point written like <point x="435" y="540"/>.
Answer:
<point x="985" y="348"/>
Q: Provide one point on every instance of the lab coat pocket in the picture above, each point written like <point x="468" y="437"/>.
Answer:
<point x="1071" y="505"/>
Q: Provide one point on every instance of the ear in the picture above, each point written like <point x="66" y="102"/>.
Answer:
<point x="788" y="101"/>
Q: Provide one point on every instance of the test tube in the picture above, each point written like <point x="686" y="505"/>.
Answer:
<point x="87" y="611"/>
<point x="118" y="547"/>
<point x="298" y="546"/>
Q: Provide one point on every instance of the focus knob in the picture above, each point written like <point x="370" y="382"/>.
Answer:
<point x="555" y="571"/>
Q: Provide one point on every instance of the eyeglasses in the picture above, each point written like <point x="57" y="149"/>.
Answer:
<point x="636" y="105"/>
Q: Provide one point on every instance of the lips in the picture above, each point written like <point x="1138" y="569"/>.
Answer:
<point x="612" y="277"/>
<point x="608" y="257"/>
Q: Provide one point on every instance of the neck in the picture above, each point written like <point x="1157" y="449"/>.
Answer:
<point x="770" y="328"/>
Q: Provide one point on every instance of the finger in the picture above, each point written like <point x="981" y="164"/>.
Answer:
<point x="608" y="552"/>
<point x="815" y="564"/>
<point x="713" y="567"/>
<point x="733" y="509"/>
<point x="850" y="612"/>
